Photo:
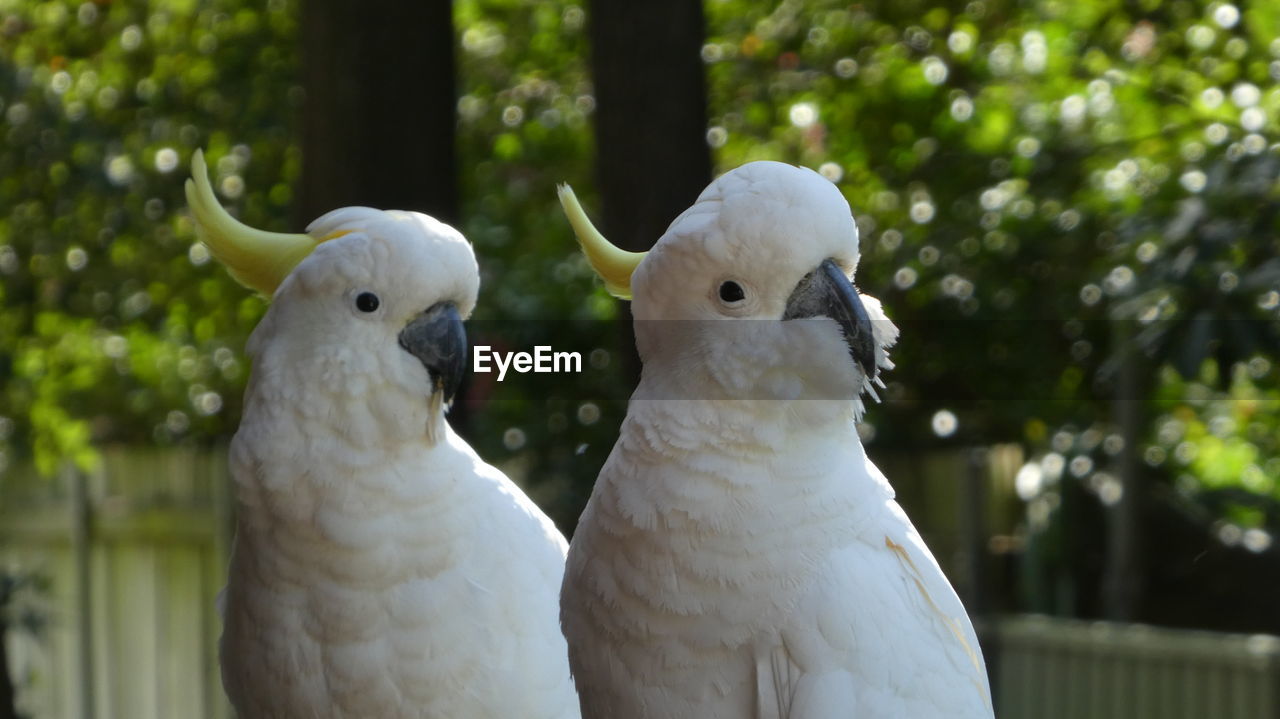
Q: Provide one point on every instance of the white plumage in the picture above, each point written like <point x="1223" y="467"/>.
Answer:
<point x="740" y="556"/>
<point x="380" y="568"/>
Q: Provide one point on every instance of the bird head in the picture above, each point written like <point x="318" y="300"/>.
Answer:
<point x="366" y="313"/>
<point x="772" y="248"/>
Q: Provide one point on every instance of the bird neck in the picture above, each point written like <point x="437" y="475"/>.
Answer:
<point x="284" y="473"/>
<point x="304" y="444"/>
<point x="732" y="475"/>
<point x="770" y="407"/>
<point x="346" y="396"/>
<point x="754" y="441"/>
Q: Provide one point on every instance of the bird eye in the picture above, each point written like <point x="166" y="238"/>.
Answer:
<point x="367" y="302"/>
<point x="732" y="292"/>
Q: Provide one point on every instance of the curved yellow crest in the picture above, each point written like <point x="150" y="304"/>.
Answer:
<point x="257" y="259"/>
<point x="614" y="265"/>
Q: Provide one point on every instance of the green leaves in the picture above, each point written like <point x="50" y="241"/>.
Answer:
<point x="103" y="105"/>
<point x="1021" y="174"/>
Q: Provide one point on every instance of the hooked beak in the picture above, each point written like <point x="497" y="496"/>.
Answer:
<point x="437" y="338"/>
<point x="827" y="292"/>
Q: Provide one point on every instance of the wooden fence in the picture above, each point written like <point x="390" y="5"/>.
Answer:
<point x="1068" y="669"/>
<point x="135" y="554"/>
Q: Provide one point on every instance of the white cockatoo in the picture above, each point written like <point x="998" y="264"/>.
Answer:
<point x="380" y="568"/>
<point x="740" y="556"/>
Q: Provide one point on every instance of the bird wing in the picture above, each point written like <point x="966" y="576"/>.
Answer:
<point x="784" y="691"/>
<point x="881" y="633"/>
<point x="935" y="596"/>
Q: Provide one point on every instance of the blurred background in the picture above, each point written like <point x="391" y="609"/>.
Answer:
<point x="1070" y="207"/>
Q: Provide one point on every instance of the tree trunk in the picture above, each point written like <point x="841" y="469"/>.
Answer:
<point x="652" y="158"/>
<point x="1123" y="578"/>
<point x="651" y="116"/>
<point x="379" y="119"/>
<point x="8" y="698"/>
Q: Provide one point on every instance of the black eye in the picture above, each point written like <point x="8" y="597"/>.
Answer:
<point x="367" y="302"/>
<point x="731" y="292"/>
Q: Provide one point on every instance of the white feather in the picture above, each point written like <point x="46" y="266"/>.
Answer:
<point x="380" y="568"/>
<point x="740" y="556"/>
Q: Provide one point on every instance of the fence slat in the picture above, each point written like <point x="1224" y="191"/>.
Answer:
<point x="133" y="554"/>
<point x="1096" y="670"/>
<point x="80" y="523"/>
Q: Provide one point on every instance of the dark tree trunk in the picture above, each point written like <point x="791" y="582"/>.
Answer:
<point x="379" y="122"/>
<point x="379" y="118"/>
<point x="1124" y="574"/>
<point x="651" y="117"/>
<point x="8" y="698"/>
<point x="652" y="158"/>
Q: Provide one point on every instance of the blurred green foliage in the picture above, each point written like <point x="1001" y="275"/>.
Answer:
<point x="1024" y="175"/>
<point x="1028" y="176"/>
<point x="524" y="125"/>
<point x="115" y="328"/>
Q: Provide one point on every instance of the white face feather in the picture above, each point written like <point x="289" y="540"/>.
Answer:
<point x="318" y="352"/>
<point x="411" y="261"/>
<point x="763" y="226"/>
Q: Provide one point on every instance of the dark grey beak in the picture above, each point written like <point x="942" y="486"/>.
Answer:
<point x="437" y="338"/>
<point x="826" y="292"/>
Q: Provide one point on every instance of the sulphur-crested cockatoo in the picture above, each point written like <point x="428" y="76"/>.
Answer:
<point x="740" y="556"/>
<point x="380" y="568"/>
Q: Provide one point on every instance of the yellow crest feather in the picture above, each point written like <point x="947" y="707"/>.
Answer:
<point x="614" y="265"/>
<point x="257" y="259"/>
